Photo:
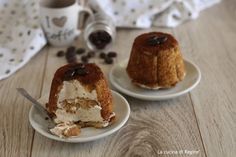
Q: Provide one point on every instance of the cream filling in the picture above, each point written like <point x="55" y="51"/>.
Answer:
<point x="70" y="91"/>
<point x="73" y="89"/>
<point x="85" y="115"/>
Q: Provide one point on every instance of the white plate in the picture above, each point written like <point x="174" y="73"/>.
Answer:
<point x="121" y="108"/>
<point x="121" y="81"/>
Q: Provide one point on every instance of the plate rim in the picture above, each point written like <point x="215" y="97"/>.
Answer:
<point x="83" y="139"/>
<point x="148" y="97"/>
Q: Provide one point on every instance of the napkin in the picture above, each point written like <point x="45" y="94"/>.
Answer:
<point x="20" y="34"/>
<point x="147" y="13"/>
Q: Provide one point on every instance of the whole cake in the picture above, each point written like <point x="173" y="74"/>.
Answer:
<point x="79" y="97"/>
<point x="156" y="61"/>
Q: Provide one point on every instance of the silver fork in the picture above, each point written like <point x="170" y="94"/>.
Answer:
<point x="38" y="106"/>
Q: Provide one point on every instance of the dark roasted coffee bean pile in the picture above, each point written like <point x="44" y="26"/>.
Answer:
<point x="72" y="52"/>
<point x="100" y="39"/>
<point x="156" y="40"/>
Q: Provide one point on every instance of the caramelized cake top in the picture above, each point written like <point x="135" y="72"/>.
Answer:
<point x="84" y="73"/>
<point x="154" y="42"/>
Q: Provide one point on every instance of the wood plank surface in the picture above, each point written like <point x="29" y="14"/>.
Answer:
<point x="16" y="134"/>
<point x="210" y="43"/>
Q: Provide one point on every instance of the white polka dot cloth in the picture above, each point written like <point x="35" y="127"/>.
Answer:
<point x="145" y="13"/>
<point x="20" y="34"/>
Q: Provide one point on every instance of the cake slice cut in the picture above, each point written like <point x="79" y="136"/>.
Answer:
<point x="80" y="95"/>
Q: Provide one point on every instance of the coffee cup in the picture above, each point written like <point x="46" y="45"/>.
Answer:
<point x="59" y="20"/>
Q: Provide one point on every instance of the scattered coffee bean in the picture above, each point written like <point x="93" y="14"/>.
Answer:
<point x="91" y="54"/>
<point x="100" y="39"/>
<point x="71" y="52"/>
<point x="71" y="48"/>
<point x="71" y="55"/>
<point x="84" y="59"/>
<point x="80" y="51"/>
<point x="72" y="60"/>
<point x="60" y="53"/>
<point x="46" y="118"/>
<point x="102" y="55"/>
<point x="112" y="54"/>
<point x="108" y="60"/>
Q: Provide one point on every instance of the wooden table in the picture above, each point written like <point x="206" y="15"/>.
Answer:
<point x="202" y="121"/>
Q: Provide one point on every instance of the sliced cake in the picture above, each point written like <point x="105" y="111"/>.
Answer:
<point x="80" y="95"/>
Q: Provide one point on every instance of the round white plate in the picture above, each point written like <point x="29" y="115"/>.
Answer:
<point x="121" y="81"/>
<point x="121" y="108"/>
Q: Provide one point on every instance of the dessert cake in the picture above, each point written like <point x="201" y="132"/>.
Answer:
<point x="155" y="61"/>
<point x="79" y="97"/>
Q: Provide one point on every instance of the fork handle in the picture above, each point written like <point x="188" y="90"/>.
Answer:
<point x="24" y="93"/>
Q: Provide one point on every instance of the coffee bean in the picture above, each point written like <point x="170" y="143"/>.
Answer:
<point x="112" y="54"/>
<point x="78" y="70"/>
<point x="72" y="60"/>
<point x="80" y="51"/>
<point x="80" y="65"/>
<point x="69" y="74"/>
<point x="155" y="40"/>
<point x="102" y="55"/>
<point x="60" y="53"/>
<point x="70" y="49"/>
<point x="81" y="72"/>
<point x="84" y="59"/>
<point x="108" y="60"/>
<point x="71" y="55"/>
<point x="152" y="41"/>
<point x="91" y="54"/>
<point x="162" y="39"/>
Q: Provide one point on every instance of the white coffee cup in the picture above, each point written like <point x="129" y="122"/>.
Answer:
<point x="59" y="19"/>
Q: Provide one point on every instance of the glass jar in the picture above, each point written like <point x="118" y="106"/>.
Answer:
<point x="100" y="32"/>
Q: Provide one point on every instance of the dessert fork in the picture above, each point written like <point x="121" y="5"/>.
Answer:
<point x="38" y="106"/>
